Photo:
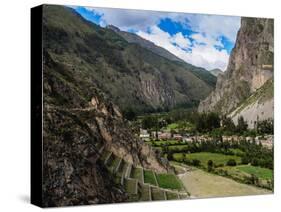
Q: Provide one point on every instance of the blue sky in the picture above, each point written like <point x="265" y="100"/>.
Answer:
<point x="202" y="40"/>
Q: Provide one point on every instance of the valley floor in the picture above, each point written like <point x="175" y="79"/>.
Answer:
<point x="201" y="184"/>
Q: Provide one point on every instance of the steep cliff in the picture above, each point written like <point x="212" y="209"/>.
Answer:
<point x="250" y="67"/>
<point x="79" y="124"/>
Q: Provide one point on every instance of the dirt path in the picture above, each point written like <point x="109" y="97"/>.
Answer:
<point x="201" y="184"/>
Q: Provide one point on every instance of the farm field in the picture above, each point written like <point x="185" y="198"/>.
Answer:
<point x="169" y="181"/>
<point x="204" y="157"/>
<point x="149" y="177"/>
<point x="262" y="173"/>
<point x="201" y="184"/>
<point x="178" y="147"/>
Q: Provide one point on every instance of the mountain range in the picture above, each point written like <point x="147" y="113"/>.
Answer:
<point x="132" y="72"/>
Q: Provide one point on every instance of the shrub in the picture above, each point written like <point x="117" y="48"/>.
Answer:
<point x="231" y="162"/>
<point x="196" y="162"/>
<point x="210" y="165"/>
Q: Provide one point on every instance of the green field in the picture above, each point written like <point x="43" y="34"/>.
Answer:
<point x="262" y="173"/>
<point x="236" y="151"/>
<point x="149" y="177"/>
<point x="169" y="181"/>
<point x="167" y="142"/>
<point x="178" y="147"/>
<point x="204" y="157"/>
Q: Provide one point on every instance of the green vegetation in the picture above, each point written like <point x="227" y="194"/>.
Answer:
<point x="149" y="177"/>
<point x="211" y="124"/>
<point x="262" y="173"/>
<point x="173" y="126"/>
<point x="204" y="157"/>
<point x="231" y="162"/>
<point x="169" y="181"/>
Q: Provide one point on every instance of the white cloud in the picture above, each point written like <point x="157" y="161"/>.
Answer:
<point x="181" y="40"/>
<point x="215" y="25"/>
<point x="206" y="55"/>
<point x="128" y="19"/>
<point x="208" y="28"/>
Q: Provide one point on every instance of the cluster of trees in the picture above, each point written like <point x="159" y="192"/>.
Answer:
<point x="265" y="127"/>
<point x="211" y="123"/>
<point x="250" y="152"/>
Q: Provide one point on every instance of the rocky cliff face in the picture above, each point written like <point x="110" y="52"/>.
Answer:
<point x="250" y="67"/>
<point x="80" y="122"/>
<point x="79" y="125"/>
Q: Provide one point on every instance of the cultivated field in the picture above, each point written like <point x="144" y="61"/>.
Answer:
<point x="201" y="184"/>
<point x="204" y="157"/>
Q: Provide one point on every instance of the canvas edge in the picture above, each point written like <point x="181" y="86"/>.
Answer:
<point x="36" y="146"/>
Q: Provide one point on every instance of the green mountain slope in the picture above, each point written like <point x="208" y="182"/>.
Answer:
<point x="201" y="73"/>
<point x="131" y="76"/>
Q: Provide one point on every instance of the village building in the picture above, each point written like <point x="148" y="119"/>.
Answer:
<point x="165" y="136"/>
<point x="177" y="137"/>
<point x="144" y="135"/>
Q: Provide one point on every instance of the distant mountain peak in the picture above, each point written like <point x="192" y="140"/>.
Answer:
<point x="134" y="38"/>
<point x="112" y="27"/>
<point x="216" y="72"/>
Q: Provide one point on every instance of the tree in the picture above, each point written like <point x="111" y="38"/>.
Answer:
<point x="242" y="125"/>
<point x="196" y="162"/>
<point x="170" y="156"/>
<point x="213" y="121"/>
<point x="207" y="121"/>
<point x="149" y="122"/>
<point x="227" y="124"/>
<point x="231" y="162"/>
<point x="210" y="165"/>
<point x="265" y="127"/>
<point x="129" y="114"/>
<point x="254" y="179"/>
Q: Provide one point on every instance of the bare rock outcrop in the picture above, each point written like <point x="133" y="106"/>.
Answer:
<point x="250" y="67"/>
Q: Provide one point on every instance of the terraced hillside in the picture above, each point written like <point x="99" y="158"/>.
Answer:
<point x="143" y="184"/>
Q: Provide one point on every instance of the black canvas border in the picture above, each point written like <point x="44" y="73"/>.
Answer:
<point x="36" y="106"/>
